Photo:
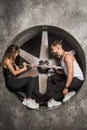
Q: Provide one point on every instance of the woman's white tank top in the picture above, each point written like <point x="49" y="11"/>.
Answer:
<point x="77" y="70"/>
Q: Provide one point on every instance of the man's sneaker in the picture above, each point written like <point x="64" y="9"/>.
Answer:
<point x="53" y="103"/>
<point x="68" y="96"/>
<point x="30" y="103"/>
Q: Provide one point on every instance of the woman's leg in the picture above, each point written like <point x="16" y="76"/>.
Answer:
<point x="15" y="84"/>
<point x="29" y="87"/>
<point x="27" y="82"/>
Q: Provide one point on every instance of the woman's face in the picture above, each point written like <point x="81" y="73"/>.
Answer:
<point x="16" y="54"/>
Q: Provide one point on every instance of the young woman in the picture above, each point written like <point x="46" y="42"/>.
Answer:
<point x="11" y="72"/>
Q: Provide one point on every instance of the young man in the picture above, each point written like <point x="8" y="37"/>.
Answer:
<point x="72" y="70"/>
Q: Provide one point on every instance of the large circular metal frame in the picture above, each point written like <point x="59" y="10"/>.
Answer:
<point x="35" y="44"/>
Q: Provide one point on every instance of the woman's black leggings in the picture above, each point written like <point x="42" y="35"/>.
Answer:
<point x="15" y="84"/>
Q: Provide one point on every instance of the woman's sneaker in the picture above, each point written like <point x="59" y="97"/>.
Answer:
<point x="24" y="101"/>
<point x="30" y="103"/>
<point x="68" y="96"/>
<point x="53" y="103"/>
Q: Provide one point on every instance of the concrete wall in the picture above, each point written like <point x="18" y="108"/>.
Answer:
<point x="18" y="15"/>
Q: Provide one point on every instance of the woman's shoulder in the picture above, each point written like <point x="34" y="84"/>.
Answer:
<point x="7" y="61"/>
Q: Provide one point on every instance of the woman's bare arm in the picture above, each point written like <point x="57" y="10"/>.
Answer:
<point x="9" y="65"/>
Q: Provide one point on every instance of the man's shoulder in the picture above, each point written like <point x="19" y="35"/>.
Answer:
<point x="68" y="56"/>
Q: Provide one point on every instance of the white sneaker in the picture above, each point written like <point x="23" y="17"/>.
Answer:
<point x="53" y="103"/>
<point x="68" y="96"/>
<point x="30" y="103"/>
<point x="24" y="101"/>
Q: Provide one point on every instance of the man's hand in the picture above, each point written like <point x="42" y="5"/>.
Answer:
<point x="65" y="91"/>
<point x="54" y="67"/>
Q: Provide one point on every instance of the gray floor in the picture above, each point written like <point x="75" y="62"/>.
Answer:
<point x="16" y="16"/>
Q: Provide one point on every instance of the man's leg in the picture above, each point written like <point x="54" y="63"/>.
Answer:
<point x="75" y="84"/>
<point x="73" y="88"/>
<point x="49" y="91"/>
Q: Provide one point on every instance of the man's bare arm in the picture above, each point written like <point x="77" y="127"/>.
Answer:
<point x="70" y="71"/>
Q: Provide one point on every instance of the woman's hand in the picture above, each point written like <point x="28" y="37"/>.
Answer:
<point x="24" y="65"/>
<point x="32" y="65"/>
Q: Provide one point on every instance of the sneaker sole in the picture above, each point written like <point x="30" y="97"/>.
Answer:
<point x="65" y="100"/>
<point x="24" y="103"/>
<point x="31" y="107"/>
<point x="54" y="105"/>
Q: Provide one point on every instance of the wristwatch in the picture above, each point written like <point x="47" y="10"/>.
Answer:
<point x="66" y="87"/>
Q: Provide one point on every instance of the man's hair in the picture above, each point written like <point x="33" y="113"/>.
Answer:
<point x="56" y="42"/>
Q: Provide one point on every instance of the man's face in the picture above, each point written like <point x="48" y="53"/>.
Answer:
<point x="56" y="50"/>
